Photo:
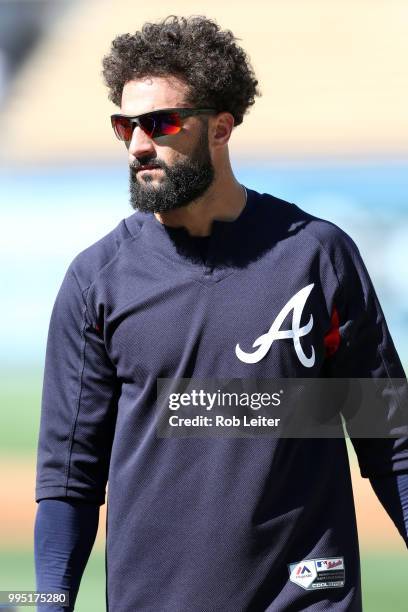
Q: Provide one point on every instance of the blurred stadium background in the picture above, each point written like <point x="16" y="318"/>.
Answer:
<point x="330" y="133"/>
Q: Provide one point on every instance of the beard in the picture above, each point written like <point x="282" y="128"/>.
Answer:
<point x="184" y="181"/>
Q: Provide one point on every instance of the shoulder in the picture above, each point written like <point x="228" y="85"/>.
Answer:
<point x="88" y="263"/>
<point x="305" y="228"/>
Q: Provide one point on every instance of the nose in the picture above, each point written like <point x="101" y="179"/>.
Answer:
<point x="140" y="145"/>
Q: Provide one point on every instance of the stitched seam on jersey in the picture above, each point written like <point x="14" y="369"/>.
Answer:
<point x="51" y="487"/>
<point x="128" y="230"/>
<point x="208" y="280"/>
<point x="376" y="302"/>
<point x="322" y="246"/>
<point x="380" y="350"/>
<point x="336" y="274"/>
<point x="87" y="308"/>
<point x="88" y="304"/>
<point x="380" y="319"/>
<point x="78" y="400"/>
<point x="338" y="278"/>
<point x="333" y="267"/>
<point x="108" y="263"/>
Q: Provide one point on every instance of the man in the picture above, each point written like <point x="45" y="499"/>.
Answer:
<point x="188" y="286"/>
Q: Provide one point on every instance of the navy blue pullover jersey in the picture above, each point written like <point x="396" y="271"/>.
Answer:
<point x="213" y="524"/>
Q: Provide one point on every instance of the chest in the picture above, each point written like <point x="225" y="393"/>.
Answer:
<point x="263" y="320"/>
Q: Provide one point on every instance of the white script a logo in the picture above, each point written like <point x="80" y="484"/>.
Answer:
<point x="296" y="303"/>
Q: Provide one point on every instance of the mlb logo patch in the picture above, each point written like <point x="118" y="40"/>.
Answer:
<point x="330" y="564"/>
<point x="312" y="574"/>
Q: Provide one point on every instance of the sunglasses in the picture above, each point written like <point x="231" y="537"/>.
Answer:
<point x="165" y="122"/>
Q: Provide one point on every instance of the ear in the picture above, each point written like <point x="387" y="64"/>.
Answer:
<point x="221" y="128"/>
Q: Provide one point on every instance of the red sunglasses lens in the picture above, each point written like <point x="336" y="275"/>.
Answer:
<point x="154" y="125"/>
<point x="122" y="127"/>
<point x="161" y="124"/>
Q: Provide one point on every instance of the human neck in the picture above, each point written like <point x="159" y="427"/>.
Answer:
<point x="223" y="200"/>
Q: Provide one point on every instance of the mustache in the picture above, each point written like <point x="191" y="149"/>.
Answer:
<point x="135" y="166"/>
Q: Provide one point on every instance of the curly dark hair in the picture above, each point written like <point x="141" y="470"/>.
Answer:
<point x="193" y="49"/>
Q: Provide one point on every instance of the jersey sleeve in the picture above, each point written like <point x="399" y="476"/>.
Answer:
<point x="366" y="351"/>
<point x="392" y="491"/>
<point x="79" y="401"/>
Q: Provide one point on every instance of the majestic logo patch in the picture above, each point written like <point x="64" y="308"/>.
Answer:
<point x="312" y="574"/>
<point x="264" y="342"/>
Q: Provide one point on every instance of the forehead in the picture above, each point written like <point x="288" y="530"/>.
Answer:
<point x="151" y="93"/>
